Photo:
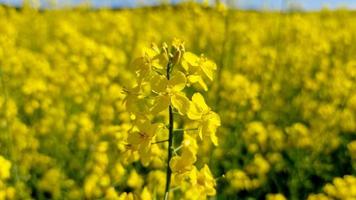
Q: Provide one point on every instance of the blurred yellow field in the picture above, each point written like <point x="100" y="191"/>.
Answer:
<point x="231" y="104"/>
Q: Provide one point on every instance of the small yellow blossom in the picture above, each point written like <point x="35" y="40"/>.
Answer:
<point x="182" y="165"/>
<point x="204" y="181"/>
<point x="208" y="121"/>
<point x="169" y="92"/>
<point x="5" y="167"/>
<point x="275" y="197"/>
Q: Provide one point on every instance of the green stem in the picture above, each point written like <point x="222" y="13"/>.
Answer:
<point x="170" y="141"/>
<point x="161" y="141"/>
<point x="177" y="149"/>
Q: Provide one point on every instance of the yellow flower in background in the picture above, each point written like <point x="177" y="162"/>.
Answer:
<point x="318" y="197"/>
<point x="134" y="180"/>
<point x="340" y="188"/>
<point x="126" y="196"/>
<point x="258" y="166"/>
<point x="239" y="180"/>
<point x="145" y="194"/>
<point x="111" y="194"/>
<point x="275" y="197"/>
<point x="5" y="167"/>
<point x="51" y="182"/>
<point x="208" y="121"/>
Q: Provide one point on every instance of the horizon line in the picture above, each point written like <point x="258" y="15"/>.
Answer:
<point x="131" y="4"/>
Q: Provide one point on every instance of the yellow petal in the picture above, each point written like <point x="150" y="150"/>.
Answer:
<point x="193" y="175"/>
<point x="154" y="129"/>
<point x="181" y="164"/>
<point x="138" y="63"/>
<point x="157" y="64"/>
<point x="150" y="52"/>
<point x="214" y="139"/>
<point x="177" y="82"/>
<point x="208" y="68"/>
<point x="214" y="119"/>
<point x="161" y="103"/>
<point x="134" y="138"/>
<point x="191" y="58"/>
<point x="210" y="191"/>
<point x="131" y="103"/>
<point x="200" y="132"/>
<point x="159" y="83"/>
<point x="142" y="125"/>
<point x="199" y="102"/>
<point x="210" y="125"/>
<point x="180" y="102"/>
<point x="206" y="180"/>
<point x="173" y="163"/>
<point x="188" y="156"/>
<point x="197" y="79"/>
<point x="145" y="146"/>
<point x="193" y="112"/>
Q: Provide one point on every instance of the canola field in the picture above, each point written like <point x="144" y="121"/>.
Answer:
<point x="177" y="102"/>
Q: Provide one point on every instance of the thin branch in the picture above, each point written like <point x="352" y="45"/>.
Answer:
<point x="174" y="189"/>
<point x="170" y="140"/>
<point x="158" y="72"/>
<point x="177" y="149"/>
<point x="161" y="141"/>
<point x="220" y="178"/>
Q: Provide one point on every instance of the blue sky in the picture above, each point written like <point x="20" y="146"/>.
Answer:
<point x="256" y="4"/>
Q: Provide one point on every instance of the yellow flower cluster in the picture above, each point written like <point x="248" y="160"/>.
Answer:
<point x="275" y="197"/>
<point x="341" y="188"/>
<point x="239" y="180"/>
<point x="162" y="75"/>
<point x="6" y="192"/>
<point x="5" y="168"/>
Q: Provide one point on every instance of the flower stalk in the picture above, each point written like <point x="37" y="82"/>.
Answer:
<point x="170" y="138"/>
<point x="155" y="69"/>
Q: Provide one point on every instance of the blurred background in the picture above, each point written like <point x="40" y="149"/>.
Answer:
<point x="245" y="4"/>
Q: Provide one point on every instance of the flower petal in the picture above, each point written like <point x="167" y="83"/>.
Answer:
<point x="161" y="103"/>
<point x="197" y="79"/>
<point x="159" y="83"/>
<point x="199" y="102"/>
<point x="208" y="68"/>
<point x="177" y="82"/>
<point x="180" y="102"/>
